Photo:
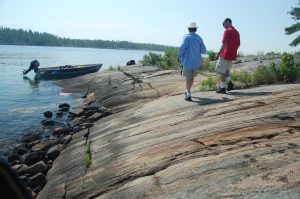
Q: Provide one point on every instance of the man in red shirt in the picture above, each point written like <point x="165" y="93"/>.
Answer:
<point x="227" y="53"/>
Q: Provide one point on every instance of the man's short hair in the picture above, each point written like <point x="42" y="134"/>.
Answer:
<point x="227" y="20"/>
<point x="192" y="29"/>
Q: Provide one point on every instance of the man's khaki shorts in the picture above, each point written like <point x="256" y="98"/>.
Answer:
<point x="223" y="65"/>
<point x="189" y="73"/>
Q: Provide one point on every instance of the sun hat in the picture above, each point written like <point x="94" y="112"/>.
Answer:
<point x="192" y="25"/>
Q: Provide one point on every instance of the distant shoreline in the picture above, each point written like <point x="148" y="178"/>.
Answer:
<point x="10" y="36"/>
<point x="82" y="47"/>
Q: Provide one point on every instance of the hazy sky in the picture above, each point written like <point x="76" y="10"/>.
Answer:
<point x="261" y="23"/>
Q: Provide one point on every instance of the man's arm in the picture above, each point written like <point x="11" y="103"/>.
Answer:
<point x="182" y="50"/>
<point x="203" y="48"/>
<point x="224" y="45"/>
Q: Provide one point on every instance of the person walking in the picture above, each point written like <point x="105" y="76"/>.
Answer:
<point x="190" y="57"/>
<point x="227" y="53"/>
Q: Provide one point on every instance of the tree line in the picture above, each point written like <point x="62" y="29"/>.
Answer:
<point x="10" y="36"/>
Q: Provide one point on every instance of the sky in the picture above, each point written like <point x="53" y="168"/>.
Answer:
<point x="261" y="23"/>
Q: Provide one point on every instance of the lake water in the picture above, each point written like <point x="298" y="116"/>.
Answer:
<point x="23" y="101"/>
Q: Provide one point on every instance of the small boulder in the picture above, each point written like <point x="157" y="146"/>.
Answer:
<point x="15" y="162"/>
<point x="13" y="157"/>
<point x="89" y="113"/>
<point x="49" y="164"/>
<point x="48" y="122"/>
<point x="30" y="137"/>
<point x="16" y="167"/>
<point x="91" y="108"/>
<point x="21" y="170"/>
<point x="53" y="152"/>
<point x="76" y="112"/>
<point x="64" y="105"/>
<point x="31" y="144"/>
<point x="19" y="149"/>
<point x="48" y="114"/>
<point x="102" y="109"/>
<point x="23" y="178"/>
<point x="32" y="158"/>
<point x="36" y="180"/>
<point x="107" y="113"/>
<point x="77" y="121"/>
<point x="67" y="139"/>
<point x="95" y="116"/>
<point x="39" y="167"/>
<point x="62" y="131"/>
<point x="44" y="145"/>
<point x="59" y="113"/>
<point x="88" y="125"/>
<point x="65" y="109"/>
<point x="77" y="129"/>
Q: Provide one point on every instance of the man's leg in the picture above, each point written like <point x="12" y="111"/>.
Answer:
<point x="188" y="84"/>
<point x="230" y="84"/>
<point x="228" y="78"/>
<point x="221" y="69"/>
<point x="223" y="80"/>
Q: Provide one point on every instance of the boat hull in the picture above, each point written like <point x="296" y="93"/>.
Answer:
<point x="68" y="71"/>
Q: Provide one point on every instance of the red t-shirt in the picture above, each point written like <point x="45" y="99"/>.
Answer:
<point x="232" y="38"/>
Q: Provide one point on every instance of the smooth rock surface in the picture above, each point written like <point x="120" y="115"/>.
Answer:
<point x="242" y="145"/>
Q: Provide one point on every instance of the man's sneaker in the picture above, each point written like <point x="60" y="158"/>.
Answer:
<point x="189" y="99"/>
<point x="230" y="86"/>
<point x="221" y="90"/>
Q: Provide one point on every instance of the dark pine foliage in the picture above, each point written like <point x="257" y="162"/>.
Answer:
<point x="295" y="12"/>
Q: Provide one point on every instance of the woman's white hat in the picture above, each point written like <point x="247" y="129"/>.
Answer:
<point x="192" y="25"/>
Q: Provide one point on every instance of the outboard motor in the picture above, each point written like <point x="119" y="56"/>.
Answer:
<point x="33" y="66"/>
<point x="131" y="62"/>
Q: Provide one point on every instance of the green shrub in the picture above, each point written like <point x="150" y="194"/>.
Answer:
<point x="166" y="62"/>
<point x="298" y="68"/>
<point x="170" y="59"/>
<point x="277" y="71"/>
<point x="110" y="68"/>
<point x="263" y="75"/>
<point x="153" y="59"/>
<point x="234" y="75"/>
<point x="245" y="78"/>
<point x="208" y="66"/>
<point x="242" y="77"/>
<point x="289" y="69"/>
<point x="211" y="55"/>
<point x="209" y="84"/>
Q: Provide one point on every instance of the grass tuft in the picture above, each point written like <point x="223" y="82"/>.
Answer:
<point x="209" y="84"/>
<point x="88" y="155"/>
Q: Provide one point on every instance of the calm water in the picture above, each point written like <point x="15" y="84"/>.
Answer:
<point x="23" y="101"/>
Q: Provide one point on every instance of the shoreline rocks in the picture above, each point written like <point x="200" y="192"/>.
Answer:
<point x="33" y="156"/>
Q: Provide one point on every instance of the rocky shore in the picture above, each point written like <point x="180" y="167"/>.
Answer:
<point x="136" y="137"/>
<point x="33" y="156"/>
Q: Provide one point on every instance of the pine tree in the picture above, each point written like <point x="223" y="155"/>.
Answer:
<point x="295" y="12"/>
